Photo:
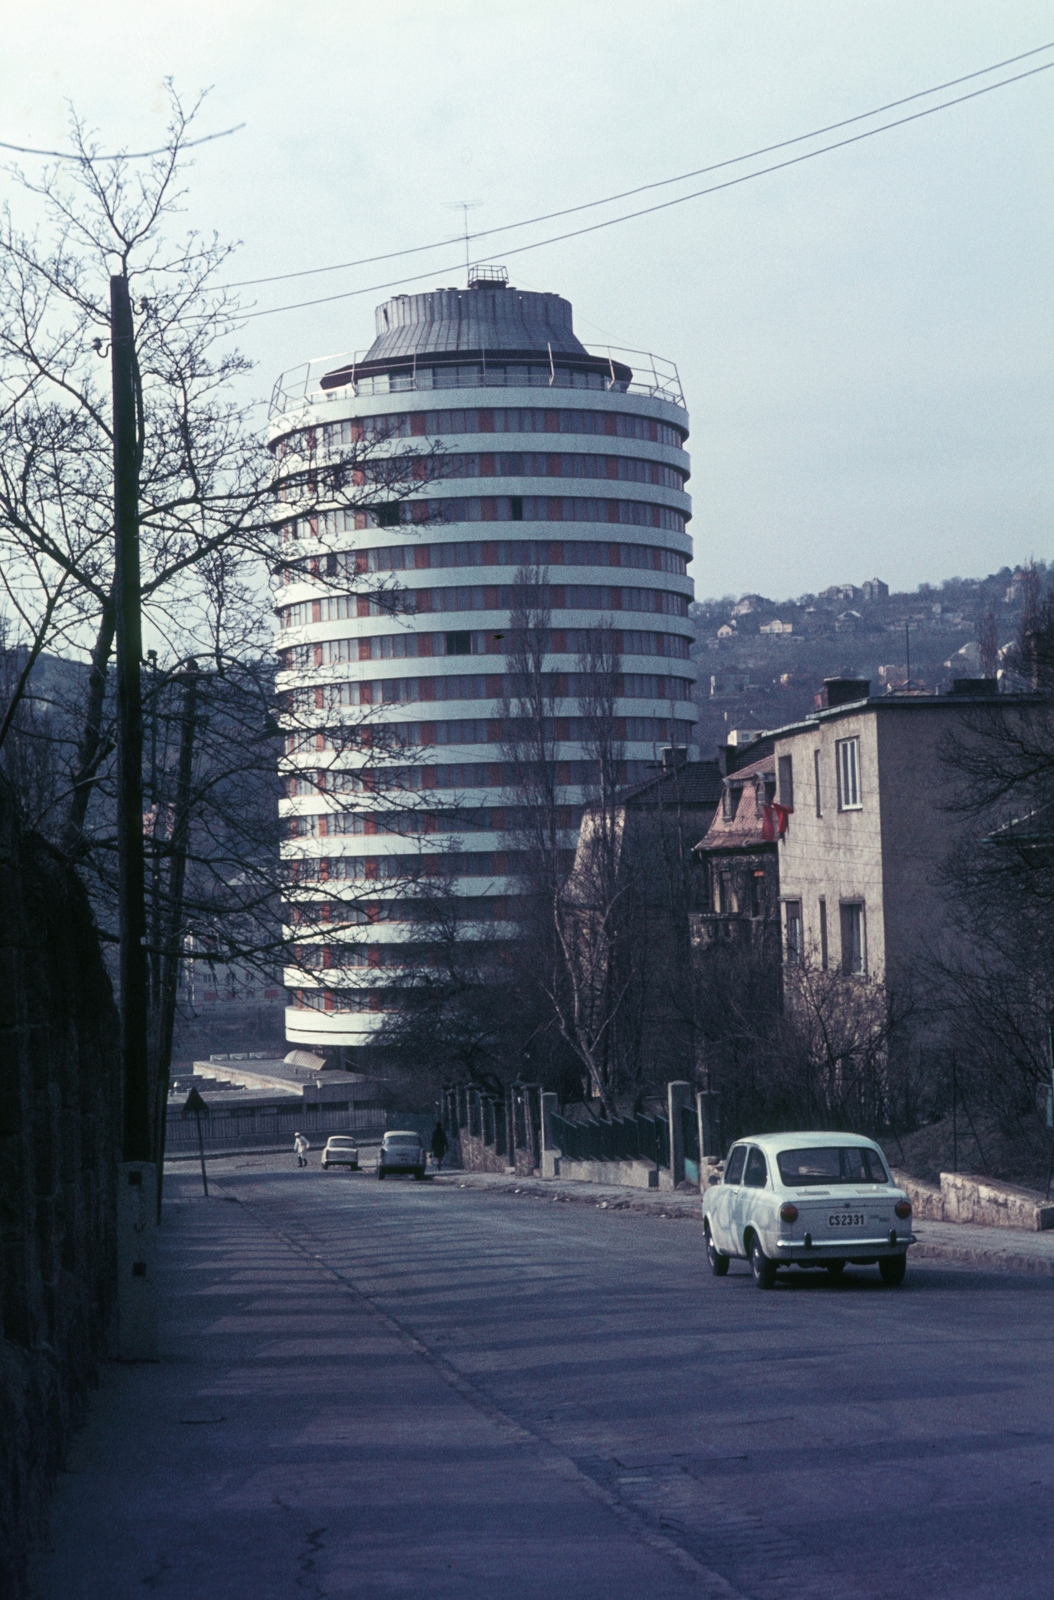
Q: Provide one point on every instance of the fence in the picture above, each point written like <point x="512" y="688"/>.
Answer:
<point x="264" y="1125"/>
<point x="638" y="1138"/>
<point x="492" y="1133"/>
<point x="524" y="1131"/>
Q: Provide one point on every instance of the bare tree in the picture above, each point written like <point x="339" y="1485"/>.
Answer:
<point x="214" y="505"/>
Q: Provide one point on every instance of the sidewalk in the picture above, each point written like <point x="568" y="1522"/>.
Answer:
<point x="295" y="1439"/>
<point x="997" y="1249"/>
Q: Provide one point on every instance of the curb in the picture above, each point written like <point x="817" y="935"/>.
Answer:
<point x="684" y="1207"/>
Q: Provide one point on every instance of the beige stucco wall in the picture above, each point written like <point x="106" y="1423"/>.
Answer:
<point x="838" y="855"/>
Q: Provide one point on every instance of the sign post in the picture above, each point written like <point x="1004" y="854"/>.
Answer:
<point x="195" y="1106"/>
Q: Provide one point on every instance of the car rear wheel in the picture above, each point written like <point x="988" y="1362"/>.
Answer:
<point x="893" y="1269"/>
<point x="381" y="1172"/>
<point x="834" y="1269"/>
<point x="718" y="1262"/>
<point x="419" y="1173"/>
<point x="763" y="1269"/>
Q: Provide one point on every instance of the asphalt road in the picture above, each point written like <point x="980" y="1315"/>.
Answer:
<point x="386" y="1389"/>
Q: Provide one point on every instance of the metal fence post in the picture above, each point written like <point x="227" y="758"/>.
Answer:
<point x="678" y="1095"/>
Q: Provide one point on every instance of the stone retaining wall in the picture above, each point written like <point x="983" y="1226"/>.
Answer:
<point x="59" y="1134"/>
<point x="965" y="1197"/>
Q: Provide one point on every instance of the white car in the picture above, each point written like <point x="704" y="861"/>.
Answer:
<point x="340" y="1151"/>
<point x="401" y="1152"/>
<point x="807" y="1200"/>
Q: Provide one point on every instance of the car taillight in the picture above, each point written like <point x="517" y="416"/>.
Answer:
<point x="788" y="1213"/>
<point x="903" y="1208"/>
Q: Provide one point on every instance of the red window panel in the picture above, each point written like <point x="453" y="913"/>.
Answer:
<point x="494" y="686"/>
<point x="489" y="555"/>
<point x="495" y="776"/>
<point x="423" y="556"/>
<point x="422" y="599"/>
<point x="612" y="511"/>
<point x="497" y="817"/>
<point x="428" y="732"/>
<point x="493" y="732"/>
<point x="614" y="555"/>
<point x="554" y="510"/>
<point x="429" y="776"/>
<point x="488" y="509"/>
<point x="318" y="692"/>
<point x="373" y="956"/>
<point x="417" y="424"/>
<point x="364" y="649"/>
<point x="561" y="728"/>
<point x="316" y="610"/>
<point x="327" y="1000"/>
<point x="369" y="866"/>
<point x="485" y="421"/>
<point x="552" y="422"/>
<point x="610" y="422"/>
<point x="426" y="689"/>
<point x="611" y="466"/>
<point x="327" y="955"/>
<point x="486" y="466"/>
<point x="362" y="606"/>
<point x="323" y="826"/>
<point x="554" y="467"/>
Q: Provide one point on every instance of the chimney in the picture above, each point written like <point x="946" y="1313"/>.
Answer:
<point x="844" y="691"/>
<point x="985" y="688"/>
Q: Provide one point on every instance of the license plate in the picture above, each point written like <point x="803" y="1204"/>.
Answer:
<point x="846" y="1219"/>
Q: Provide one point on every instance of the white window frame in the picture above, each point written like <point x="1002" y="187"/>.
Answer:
<point x="847" y="764"/>
<point x="846" y="909"/>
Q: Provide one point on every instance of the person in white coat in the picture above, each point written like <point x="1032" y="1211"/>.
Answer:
<point x="301" y="1146"/>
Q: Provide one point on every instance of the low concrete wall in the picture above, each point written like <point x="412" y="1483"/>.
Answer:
<point x="631" y="1174"/>
<point x="965" y="1197"/>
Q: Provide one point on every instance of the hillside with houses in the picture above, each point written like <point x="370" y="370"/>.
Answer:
<point x="759" y="661"/>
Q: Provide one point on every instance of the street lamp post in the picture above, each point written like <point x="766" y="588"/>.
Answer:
<point x="137" y="1171"/>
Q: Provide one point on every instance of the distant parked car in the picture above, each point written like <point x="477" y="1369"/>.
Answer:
<point x="807" y="1200"/>
<point x="401" y="1152"/>
<point x="340" y="1151"/>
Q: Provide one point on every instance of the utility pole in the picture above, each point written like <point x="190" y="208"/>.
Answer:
<point x="137" y="1172"/>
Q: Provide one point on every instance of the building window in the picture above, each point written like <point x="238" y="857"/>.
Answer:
<point x="847" y="755"/>
<point x="854" y="954"/>
<point x="819" y="788"/>
<point x="795" y="944"/>
<point x="823" y="935"/>
<point x="728" y="803"/>
<point x="757" y="879"/>
<point x="786" y="771"/>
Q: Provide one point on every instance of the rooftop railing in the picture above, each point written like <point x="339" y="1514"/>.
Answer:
<point x="301" y="387"/>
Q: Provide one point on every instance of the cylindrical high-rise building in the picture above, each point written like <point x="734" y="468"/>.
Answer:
<point x="549" y="456"/>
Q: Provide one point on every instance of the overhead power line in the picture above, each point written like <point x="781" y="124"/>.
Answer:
<point x="122" y="155"/>
<point x="659" y="183"/>
<point x="663" y="205"/>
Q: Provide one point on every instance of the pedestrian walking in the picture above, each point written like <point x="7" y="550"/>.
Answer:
<point x="439" y="1145"/>
<point x="301" y="1146"/>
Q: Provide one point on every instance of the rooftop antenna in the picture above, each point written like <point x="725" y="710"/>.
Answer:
<point x="464" y="206"/>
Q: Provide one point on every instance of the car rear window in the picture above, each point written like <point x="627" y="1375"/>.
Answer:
<point x="831" y="1164"/>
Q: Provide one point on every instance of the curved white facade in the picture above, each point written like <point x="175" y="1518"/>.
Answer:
<point x="552" y="456"/>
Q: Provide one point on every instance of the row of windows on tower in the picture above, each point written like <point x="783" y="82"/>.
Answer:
<point x="479" y="419"/>
<point x="484" y="597"/>
<point x="476" y="553"/>
<point x="463" y="642"/>
<point x="486" y="508"/>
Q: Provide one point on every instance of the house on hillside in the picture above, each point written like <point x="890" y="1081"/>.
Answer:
<point x="739" y="856"/>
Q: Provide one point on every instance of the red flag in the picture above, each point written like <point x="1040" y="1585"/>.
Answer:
<point x="774" y="821"/>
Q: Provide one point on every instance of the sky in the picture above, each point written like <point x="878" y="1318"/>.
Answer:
<point x="864" y="339"/>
